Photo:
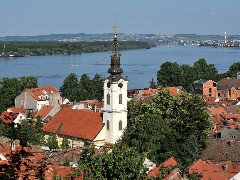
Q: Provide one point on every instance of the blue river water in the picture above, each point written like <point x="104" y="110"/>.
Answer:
<point x="139" y="65"/>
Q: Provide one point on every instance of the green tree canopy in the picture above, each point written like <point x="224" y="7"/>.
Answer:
<point x="98" y="82"/>
<point x="69" y="87"/>
<point x="119" y="163"/>
<point x="160" y="127"/>
<point x="86" y="88"/>
<point x="170" y="74"/>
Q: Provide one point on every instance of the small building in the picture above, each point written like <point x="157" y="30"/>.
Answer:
<point x="34" y="99"/>
<point x="206" y="88"/>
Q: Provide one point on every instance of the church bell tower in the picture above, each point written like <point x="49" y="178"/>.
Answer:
<point x="115" y="97"/>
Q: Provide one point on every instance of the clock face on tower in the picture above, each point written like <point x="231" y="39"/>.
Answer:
<point x="120" y="85"/>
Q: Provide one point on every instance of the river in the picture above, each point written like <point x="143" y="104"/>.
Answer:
<point x="139" y="65"/>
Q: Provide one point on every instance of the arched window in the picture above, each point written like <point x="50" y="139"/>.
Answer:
<point x="120" y="125"/>
<point x="108" y="125"/>
<point x="108" y="98"/>
<point x="120" y="98"/>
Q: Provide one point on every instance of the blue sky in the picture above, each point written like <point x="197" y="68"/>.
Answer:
<point x="39" y="17"/>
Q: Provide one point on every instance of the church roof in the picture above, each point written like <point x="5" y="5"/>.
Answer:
<point x="83" y="124"/>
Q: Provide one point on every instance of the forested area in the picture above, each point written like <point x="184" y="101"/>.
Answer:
<point x="40" y="48"/>
<point x="173" y="74"/>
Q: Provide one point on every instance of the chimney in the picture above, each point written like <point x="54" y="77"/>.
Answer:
<point x="225" y="167"/>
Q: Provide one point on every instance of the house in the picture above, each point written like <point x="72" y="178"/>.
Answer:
<point x="228" y="89"/>
<point x="33" y="99"/>
<point x="206" y="88"/>
<point x="80" y="127"/>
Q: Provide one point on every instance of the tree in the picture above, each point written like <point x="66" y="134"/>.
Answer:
<point x="86" y="89"/>
<point x="28" y="82"/>
<point x="170" y="74"/>
<point x="52" y="142"/>
<point x="69" y="87"/>
<point x="98" y="82"/>
<point x="120" y="163"/>
<point x="204" y="70"/>
<point x="65" y="143"/>
<point x="160" y="126"/>
<point x="234" y="68"/>
<point x="9" y="89"/>
<point x="152" y="84"/>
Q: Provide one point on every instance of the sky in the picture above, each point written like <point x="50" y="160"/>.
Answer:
<point x="42" y="17"/>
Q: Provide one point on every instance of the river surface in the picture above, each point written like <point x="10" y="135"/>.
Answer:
<point x="139" y="65"/>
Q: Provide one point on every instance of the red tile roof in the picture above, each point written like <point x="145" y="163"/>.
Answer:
<point x="84" y="124"/>
<point x="208" y="170"/>
<point x="44" y="111"/>
<point x="36" y="93"/>
<point x="155" y="172"/>
<point x="148" y="92"/>
<point x="173" y="90"/>
<point x="216" y="111"/>
<point x="16" y="110"/>
<point x="8" y="117"/>
<point x="61" y="171"/>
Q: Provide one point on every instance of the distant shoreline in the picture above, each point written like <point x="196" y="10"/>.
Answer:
<point x="44" y="48"/>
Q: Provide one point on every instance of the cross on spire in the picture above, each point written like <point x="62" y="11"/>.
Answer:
<point x="115" y="28"/>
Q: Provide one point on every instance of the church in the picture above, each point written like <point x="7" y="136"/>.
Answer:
<point x="82" y="127"/>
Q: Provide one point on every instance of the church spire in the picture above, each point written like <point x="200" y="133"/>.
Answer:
<point x="115" y="68"/>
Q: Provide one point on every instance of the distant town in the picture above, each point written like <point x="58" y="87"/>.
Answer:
<point x="223" y="40"/>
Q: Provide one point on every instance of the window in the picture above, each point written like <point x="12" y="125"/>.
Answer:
<point x="108" y="125"/>
<point x="108" y="98"/>
<point x="120" y="125"/>
<point x="120" y="98"/>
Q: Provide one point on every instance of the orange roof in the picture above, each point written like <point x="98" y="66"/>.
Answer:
<point x="40" y="93"/>
<point x="216" y="111"/>
<point x="16" y="110"/>
<point x="61" y="171"/>
<point x="96" y="103"/>
<point x="8" y="117"/>
<point x="208" y="170"/>
<point x="44" y="111"/>
<point x="84" y="124"/>
<point x="169" y="162"/>
<point x="148" y="92"/>
<point x="217" y="119"/>
<point x="173" y="90"/>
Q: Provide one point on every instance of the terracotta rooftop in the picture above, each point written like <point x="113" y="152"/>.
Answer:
<point x="216" y="111"/>
<point x="16" y="110"/>
<point x="209" y="170"/>
<point x="44" y="111"/>
<point x="173" y="90"/>
<point x="84" y="124"/>
<point x="155" y="172"/>
<point x="8" y="117"/>
<point x="40" y="93"/>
